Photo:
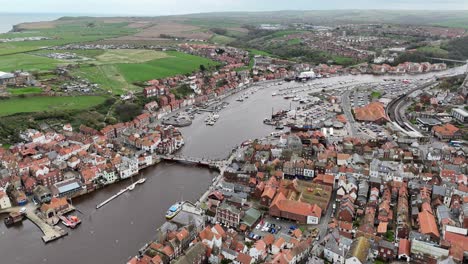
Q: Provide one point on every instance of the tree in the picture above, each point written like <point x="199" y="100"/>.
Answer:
<point x="126" y="112"/>
<point x="202" y="68"/>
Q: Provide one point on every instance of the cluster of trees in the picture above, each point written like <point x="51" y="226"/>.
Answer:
<point x="457" y="48"/>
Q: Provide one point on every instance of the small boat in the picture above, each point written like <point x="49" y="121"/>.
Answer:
<point x="141" y="181"/>
<point x="296" y="99"/>
<point x="274" y="94"/>
<point x="279" y="126"/>
<point x="174" y="210"/>
<point x="70" y="221"/>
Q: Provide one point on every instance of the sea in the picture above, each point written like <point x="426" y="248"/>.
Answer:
<point x="8" y="20"/>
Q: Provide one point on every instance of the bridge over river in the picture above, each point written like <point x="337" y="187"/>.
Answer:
<point x="215" y="164"/>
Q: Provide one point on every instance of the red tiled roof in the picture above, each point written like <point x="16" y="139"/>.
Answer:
<point x="295" y="207"/>
<point x="457" y="239"/>
<point x="371" y="112"/>
<point x="244" y="258"/>
<point x="404" y="247"/>
<point x="427" y="223"/>
<point x="446" y="130"/>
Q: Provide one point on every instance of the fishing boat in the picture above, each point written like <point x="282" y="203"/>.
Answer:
<point x="174" y="210"/>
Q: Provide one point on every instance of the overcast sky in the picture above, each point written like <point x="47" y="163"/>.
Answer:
<point x="171" y="7"/>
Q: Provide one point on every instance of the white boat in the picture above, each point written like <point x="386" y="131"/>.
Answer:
<point x="273" y="94"/>
<point x="141" y="181"/>
<point x="174" y="210"/>
<point x="295" y="99"/>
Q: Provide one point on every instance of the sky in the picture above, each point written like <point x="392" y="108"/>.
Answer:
<point x="172" y="7"/>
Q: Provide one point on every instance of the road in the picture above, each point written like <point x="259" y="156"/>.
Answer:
<point x="346" y="105"/>
<point x="323" y="225"/>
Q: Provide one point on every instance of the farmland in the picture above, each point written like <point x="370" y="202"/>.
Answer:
<point x="42" y="103"/>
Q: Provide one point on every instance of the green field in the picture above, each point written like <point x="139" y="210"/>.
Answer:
<point x="220" y="39"/>
<point x="81" y="30"/>
<point x="176" y="63"/>
<point x="346" y="61"/>
<point x="130" y="56"/>
<point x="42" y="103"/>
<point x="27" y="62"/>
<point x="284" y="33"/>
<point x="27" y="90"/>
<point x="119" y="77"/>
<point x="260" y="52"/>
<point x="108" y="76"/>
<point x="294" y="41"/>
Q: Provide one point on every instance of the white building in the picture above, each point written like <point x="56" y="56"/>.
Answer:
<point x="128" y="167"/>
<point x="460" y="115"/>
<point x="4" y="200"/>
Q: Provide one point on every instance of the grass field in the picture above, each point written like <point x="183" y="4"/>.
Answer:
<point x="42" y="103"/>
<point x="294" y="41"/>
<point x="119" y="77"/>
<point x="176" y="63"/>
<point x="27" y="90"/>
<point x="220" y="39"/>
<point x="108" y="76"/>
<point x="27" y="62"/>
<point x="130" y="56"/>
<point x="346" y="61"/>
<point x="284" y="33"/>
<point x="260" y="52"/>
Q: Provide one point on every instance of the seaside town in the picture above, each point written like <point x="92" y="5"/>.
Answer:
<point x="346" y="184"/>
<point x="362" y="162"/>
<point x="323" y="195"/>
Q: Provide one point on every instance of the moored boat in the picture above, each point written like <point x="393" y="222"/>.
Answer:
<point x="174" y="210"/>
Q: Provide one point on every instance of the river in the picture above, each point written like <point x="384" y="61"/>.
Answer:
<point x="115" y="232"/>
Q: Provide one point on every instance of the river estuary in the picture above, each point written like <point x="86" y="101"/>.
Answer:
<point x="115" y="232"/>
